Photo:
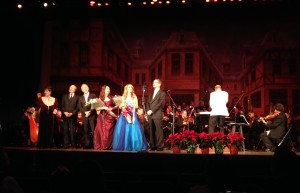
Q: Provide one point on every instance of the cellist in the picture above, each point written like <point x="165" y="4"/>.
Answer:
<point x="276" y="123"/>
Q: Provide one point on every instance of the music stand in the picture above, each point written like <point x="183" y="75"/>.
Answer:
<point x="202" y="119"/>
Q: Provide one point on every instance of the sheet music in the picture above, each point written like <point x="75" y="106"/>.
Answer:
<point x="204" y="113"/>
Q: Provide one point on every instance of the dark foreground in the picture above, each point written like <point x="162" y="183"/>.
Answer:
<point x="42" y="171"/>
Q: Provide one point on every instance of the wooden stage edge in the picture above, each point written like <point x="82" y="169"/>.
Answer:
<point x="154" y="171"/>
<point x="165" y="151"/>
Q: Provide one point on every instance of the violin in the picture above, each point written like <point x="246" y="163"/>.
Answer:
<point x="270" y="117"/>
<point x="191" y="117"/>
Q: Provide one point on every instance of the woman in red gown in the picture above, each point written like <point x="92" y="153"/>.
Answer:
<point x="106" y="120"/>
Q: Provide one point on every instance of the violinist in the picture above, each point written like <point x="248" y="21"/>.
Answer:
<point x="276" y="123"/>
<point x="255" y="128"/>
<point x="181" y="123"/>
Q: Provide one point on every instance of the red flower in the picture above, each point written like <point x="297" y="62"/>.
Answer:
<point x="174" y="139"/>
<point x="190" y="137"/>
<point x="183" y="139"/>
<point x="235" y="139"/>
<point x="205" y="140"/>
<point x="127" y="113"/>
<point x="218" y="139"/>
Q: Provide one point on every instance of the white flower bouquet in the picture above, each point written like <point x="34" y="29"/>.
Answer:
<point x="118" y="100"/>
<point x="98" y="104"/>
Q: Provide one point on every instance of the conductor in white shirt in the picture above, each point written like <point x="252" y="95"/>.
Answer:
<point x="217" y="102"/>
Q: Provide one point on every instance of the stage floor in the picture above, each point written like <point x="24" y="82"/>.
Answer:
<point x="152" y="171"/>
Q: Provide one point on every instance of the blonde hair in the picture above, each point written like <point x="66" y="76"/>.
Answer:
<point x="125" y="93"/>
<point x="133" y="95"/>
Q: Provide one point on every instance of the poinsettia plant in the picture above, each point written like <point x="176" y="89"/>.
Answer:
<point x="190" y="138"/>
<point x="174" y="139"/>
<point x="205" y="140"/>
<point x="235" y="139"/>
<point x="219" y="139"/>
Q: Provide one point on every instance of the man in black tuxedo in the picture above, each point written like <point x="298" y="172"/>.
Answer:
<point x="277" y="128"/>
<point x="154" y="106"/>
<point x="89" y="116"/>
<point x="69" y="108"/>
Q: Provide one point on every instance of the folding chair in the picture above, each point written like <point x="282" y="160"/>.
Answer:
<point x="287" y="137"/>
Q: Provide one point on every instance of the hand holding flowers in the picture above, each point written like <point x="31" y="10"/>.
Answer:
<point x="127" y="113"/>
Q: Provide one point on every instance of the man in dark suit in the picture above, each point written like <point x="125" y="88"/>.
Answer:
<point x="69" y="108"/>
<point x="154" y="106"/>
<point x="89" y="116"/>
<point x="277" y="128"/>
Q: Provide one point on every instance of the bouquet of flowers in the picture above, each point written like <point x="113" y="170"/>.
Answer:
<point x="127" y="113"/>
<point x="91" y="102"/>
<point x="97" y="103"/>
<point x="117" y="100"/>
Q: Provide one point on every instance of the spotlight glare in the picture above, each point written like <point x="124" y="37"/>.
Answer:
<point x="19" y="6"/>
<point x="92" y="3"/>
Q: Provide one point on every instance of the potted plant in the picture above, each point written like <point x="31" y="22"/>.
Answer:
<point x="234" y="142"/>
<point x="205" y="142"/>
<point x="190" y="139"/>
<point x="174" y="141"/>
<point x="219" y="141"/>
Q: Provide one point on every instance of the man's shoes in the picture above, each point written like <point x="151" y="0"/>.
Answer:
<point x="268" y="150"/>
<point x="152" y="149"/>
<point x="160" y="149"/>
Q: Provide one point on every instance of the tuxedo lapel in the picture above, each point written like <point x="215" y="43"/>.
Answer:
<point x="155" y="97"/>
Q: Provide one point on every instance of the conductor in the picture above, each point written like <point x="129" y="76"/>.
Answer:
<point x="217" y="102"/>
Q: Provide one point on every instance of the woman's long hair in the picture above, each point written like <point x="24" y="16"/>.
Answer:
<point x="102" y="93"/>
<point x="126" y="91"/>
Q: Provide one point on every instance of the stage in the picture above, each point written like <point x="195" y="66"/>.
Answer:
<point x="157" y="171"/>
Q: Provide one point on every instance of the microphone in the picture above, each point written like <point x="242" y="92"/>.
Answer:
<point x="144" y="85"/>
<point x="168" y="91"/>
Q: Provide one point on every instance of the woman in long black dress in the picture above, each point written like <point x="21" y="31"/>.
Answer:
<point x="47" y="105"/>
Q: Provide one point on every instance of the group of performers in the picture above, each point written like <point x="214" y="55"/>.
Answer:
<point x="175" y="119"/>
<point x="197" y="118"/>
